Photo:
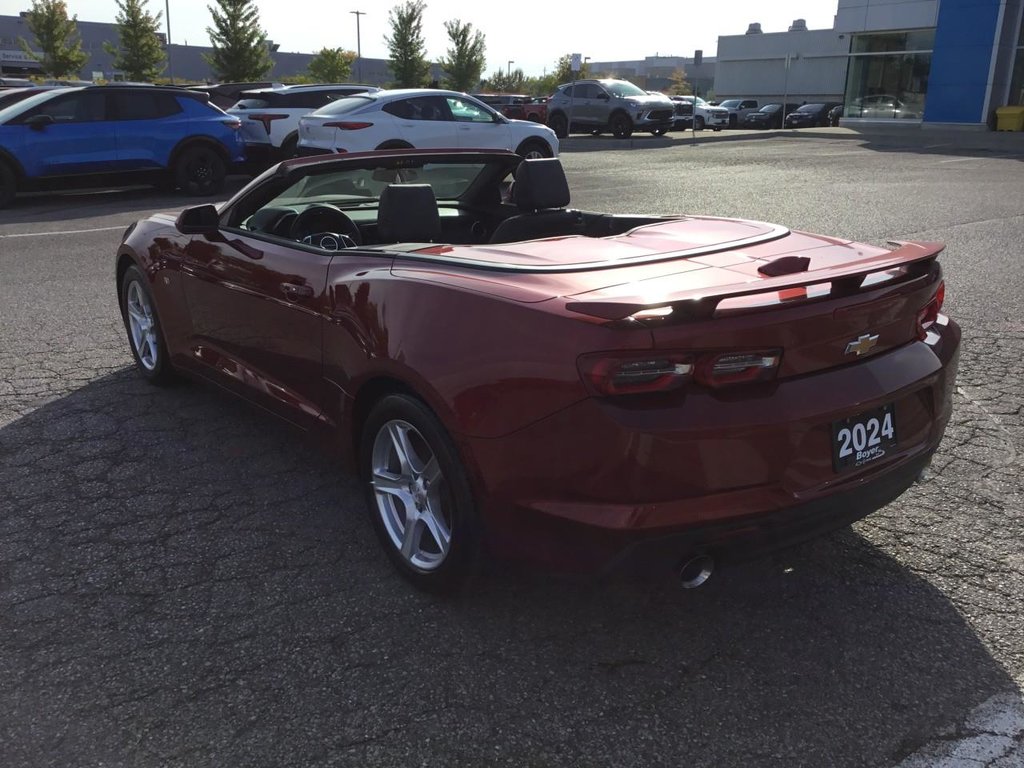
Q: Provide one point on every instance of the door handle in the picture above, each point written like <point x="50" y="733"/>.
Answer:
<point x="294" y="291"/>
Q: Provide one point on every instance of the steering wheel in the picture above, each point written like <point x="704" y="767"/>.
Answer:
<point x="325" y="219"/>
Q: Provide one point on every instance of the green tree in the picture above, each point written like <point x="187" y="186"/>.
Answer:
<point x="140" y="54"/>
<point x="406" y="48"/>
<point x="57" y="37"/>
<point x="240" y="49"/>
<point x="332" y="65"/>
<point x="563" y="70"/>
<point x="465" y="60"/>
<point x="501" y="81"/>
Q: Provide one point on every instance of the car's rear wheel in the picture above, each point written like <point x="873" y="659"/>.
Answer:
<point x="621" y="126"/>
<point x="419" y="495"/>
<point x="534" y="149"/>
<point x="698" y="123"/>
<point x="558" y="123"/>
<point x="8" y="184"/>
<point x="394" y="144"/>
<point x="199" y="171"/>
<point x="596" y="132"/>
<point x="290" y="148"/>
<point x="145" y="336"/>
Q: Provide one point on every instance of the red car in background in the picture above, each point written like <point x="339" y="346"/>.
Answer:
<point x="517" y="106"/>
<point x="510" y="375"/>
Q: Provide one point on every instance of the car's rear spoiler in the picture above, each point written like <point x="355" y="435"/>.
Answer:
<point x="846" y="279"/>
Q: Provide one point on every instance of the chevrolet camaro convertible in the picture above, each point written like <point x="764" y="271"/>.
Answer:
<point x="513" y="376"/>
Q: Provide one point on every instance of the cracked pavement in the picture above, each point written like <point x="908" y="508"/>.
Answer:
<point x="186" y="582"/>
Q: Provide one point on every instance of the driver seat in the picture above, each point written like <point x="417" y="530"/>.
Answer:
<point x="407" y="213"/>
<point x="541" y="193"/>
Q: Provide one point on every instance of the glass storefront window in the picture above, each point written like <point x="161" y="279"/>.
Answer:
<point x="888" y="75"/>
<point x="1017" y="76"/>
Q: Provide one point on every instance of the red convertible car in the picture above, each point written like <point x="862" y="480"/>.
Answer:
<point x="510" y="375"/>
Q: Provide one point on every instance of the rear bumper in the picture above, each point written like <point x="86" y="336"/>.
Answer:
<point x="597" y="480"/>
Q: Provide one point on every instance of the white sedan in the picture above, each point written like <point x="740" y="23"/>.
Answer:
<point x="419" y="118"/>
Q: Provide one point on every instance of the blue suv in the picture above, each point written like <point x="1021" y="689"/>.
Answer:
<point x="100" y="135"/>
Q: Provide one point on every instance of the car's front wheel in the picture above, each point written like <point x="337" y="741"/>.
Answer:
<point x="534" y="149"/>
<point x="621" y="126"/>
<point x="8" y="185"/>
<point x="559" y="124"/>
<point x="419" y="495"/>
<point x="145" y="336"/>
<point x="199" y="171"/>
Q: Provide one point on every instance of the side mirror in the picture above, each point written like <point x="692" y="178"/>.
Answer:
<point x="198" y="220"/>
<point x="38" y="122"/>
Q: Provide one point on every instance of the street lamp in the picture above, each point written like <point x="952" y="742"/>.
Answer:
<point x="170" y="66"/>
<point x="359" y="48"/>
<point x="510" y="63"/>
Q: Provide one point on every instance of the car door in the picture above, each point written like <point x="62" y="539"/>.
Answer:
<point x="81" y="139"/>
<point x="258" y="309"/>
<point x="148" y="123"/>
<point x="591" y="104"/>
<point x="478" y="127"/>
<point x="425" y="122"/>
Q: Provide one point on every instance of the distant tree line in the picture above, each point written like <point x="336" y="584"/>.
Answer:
<point x="241" y="50"/>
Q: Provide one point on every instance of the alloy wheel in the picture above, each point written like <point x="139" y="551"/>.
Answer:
<point x="141" y="326"/>
<point x="411" y="495"/>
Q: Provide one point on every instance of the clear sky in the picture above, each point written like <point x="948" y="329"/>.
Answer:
<point x="533" y="33"/>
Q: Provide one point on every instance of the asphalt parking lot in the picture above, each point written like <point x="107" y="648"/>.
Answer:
<point x="184" y="582"/>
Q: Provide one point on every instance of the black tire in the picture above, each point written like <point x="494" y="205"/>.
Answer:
<point x="394" y="144"/>
<point x="155" y="368"/>
<point x="8" y="184"/>
<point x="289" y="148"/>
<point x="534" y="148"/>
<point x="199" y="171"/>
<point x="452" y="494"/>
<point x="717" y="128"/>
<point x="698" y="123"/>
<point x="621" y="125"/>
<point x="559" y="124"/>
<point x="596" y="132"/>
<point x="733" y="121"/>
<point x="659" y="131"/>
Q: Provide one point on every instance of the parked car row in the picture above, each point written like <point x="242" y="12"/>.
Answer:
<point x="101" y="135"/>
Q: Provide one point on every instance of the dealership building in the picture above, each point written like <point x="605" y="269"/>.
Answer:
<point x="931" y="62"/>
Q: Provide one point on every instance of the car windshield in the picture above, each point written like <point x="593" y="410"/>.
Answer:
<point x="811" y="108"/>
<point x="730" y="103"/>
<point x="345" y="105"/>
<point x="770" y="108"/>
<point x="361" y="185"/>
<point x="621" y="88"/>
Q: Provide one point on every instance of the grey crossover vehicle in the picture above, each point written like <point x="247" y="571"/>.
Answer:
<point x="616" y="106"/>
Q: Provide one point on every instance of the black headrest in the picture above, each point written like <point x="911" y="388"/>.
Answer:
<point x="408" y="213"/>
<point x="540" y="184"/>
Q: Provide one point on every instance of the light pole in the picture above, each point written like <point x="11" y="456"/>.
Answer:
<point x="359" y="47"/>
<point x="509" y="70"/>
<point x="170" y="66"/>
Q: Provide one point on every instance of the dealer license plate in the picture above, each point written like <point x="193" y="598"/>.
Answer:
<point x="864" y="438"/>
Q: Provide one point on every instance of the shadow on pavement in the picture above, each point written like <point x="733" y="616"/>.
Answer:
<point x="184" y="581"/>
<point x="88" y="204"/>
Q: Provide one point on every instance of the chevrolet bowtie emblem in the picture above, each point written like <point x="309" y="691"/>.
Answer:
<point x="863" y="345"/>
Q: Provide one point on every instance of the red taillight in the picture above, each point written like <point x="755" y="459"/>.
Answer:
<point x="347" y="125"/>
<point x="928" y="316"/>
<point x="266" y="119"/>
<point x="630" y="374"/>
<point x="720" y="370"/>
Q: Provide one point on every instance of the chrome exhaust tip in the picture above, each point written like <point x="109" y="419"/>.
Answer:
<point x="694" y="571"/>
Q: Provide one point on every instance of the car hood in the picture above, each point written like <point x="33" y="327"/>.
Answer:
<point x="710" y="252"/>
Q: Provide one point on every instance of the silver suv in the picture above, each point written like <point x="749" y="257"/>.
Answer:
<point x="617" y="106"/>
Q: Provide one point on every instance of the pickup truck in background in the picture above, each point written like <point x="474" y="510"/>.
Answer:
<point x="739" y="109"/>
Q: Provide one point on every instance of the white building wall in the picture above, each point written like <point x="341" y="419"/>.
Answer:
<point x="884" y="15"/>
<point x="754" y="66"/>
